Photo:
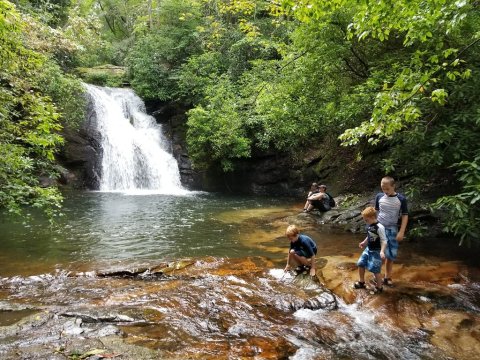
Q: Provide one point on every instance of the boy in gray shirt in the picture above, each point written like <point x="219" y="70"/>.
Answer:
<point x="390" y="205"/>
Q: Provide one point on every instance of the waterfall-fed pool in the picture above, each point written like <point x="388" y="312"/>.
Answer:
<point x="98" y="226"/>
<point x="200" y="276"/>
<point x="145" y="269"/>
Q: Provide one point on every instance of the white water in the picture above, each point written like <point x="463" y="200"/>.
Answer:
<point x="135" y="157"/>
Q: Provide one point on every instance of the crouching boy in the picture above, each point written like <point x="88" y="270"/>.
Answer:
<point x="302" y="251"/>
<point x="374" y="244"/>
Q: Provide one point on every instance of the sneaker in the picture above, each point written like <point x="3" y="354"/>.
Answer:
<point x="300" y="269"/>
<point x="359" y="285"/>
<point x="376" y="290"/>
<point x="388" y="282"/>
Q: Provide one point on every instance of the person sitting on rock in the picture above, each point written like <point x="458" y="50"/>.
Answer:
<point x="313" y="190"/>
<point x="319" y="201"/>
<point x="302" y="251"/>
<point x="374" y="244"/>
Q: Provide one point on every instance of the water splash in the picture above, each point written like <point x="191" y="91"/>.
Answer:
<point x="135" y="157"/>
<point x="211" y="307"/>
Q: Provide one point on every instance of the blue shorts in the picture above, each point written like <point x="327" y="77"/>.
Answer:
<point x="370" y="260"/>
<point x="392" y="243"/>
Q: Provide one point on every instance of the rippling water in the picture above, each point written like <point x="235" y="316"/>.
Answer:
<point x="100" y="226"/>
<point x="230" y="298"/>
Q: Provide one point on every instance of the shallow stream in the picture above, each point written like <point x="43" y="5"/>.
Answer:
<point x="200" y="276"/>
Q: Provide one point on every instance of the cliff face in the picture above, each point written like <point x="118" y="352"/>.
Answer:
<point x="265" y="173"/>
<point x="270" y="172"/>
<point x="81" y="155"/>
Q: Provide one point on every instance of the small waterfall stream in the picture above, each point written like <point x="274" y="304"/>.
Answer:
<point x="135" y="153"/>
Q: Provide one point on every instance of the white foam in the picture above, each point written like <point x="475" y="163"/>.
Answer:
<point x="279" y="274"/>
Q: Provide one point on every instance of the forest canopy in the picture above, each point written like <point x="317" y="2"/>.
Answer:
<point x="257" y="75"/>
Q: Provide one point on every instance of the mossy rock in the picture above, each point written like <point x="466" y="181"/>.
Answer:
<point x="104" y="75"/>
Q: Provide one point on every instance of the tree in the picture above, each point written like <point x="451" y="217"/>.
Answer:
<point x="29" y="120"/>
<point x="158" y="53"/>
<point x="425" y="104"/>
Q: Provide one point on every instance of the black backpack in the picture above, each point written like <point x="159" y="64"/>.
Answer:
<point x="331" y="201"/>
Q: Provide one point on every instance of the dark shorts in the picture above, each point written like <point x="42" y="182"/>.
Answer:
<point x="392" y="244"/>
<point x="302" y="253"/>
<point x="371" y="261"/>
<point x="320" y="205"/>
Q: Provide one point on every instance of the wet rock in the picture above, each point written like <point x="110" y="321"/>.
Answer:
<point x="324" y="301"/>
<point x="263" y="348"/>
<point x="9" y="317"/>
<point x="243" y="308"/>
<point x="99" y="318"/>
<point x="329" y="216"/>
<point x="140" y="274"/>
<point x="147" y="273"/>
<point x="451" y="333"/>
<point x="433" y="300"/>
<point x="73" y="327"/>
<point x="345" y="216"/>
<point x="10" y="306"/>
<point x="108" y="330"/>
<point x="82" y="153"/>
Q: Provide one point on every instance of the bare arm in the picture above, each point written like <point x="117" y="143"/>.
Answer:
<point x="316" y="196"/>
<point x="287" y="267"/>
<point x="383" y="242"/>
<point x="313" y="267"/>
<point x="362" y="244"/>
<point x="403" y="227"/>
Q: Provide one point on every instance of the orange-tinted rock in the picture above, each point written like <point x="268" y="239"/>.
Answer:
<point x="456" y="333"/>
<point x="432" y="299"/>
<point x="242" y="308"/>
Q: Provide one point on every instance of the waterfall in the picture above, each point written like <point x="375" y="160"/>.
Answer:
<point x="135" y="152"/>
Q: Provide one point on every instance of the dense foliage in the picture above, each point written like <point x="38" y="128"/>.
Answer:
<point x="399" y="75"/>
<point x="36" y="98"/>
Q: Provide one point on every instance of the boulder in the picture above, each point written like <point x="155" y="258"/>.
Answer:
<point x="82" y="154"/>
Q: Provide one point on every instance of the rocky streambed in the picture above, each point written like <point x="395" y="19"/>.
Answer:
<point x="247" y="307"/>
<point x="243" y="308"/>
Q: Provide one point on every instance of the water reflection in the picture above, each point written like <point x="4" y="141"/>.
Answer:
<point x="82" y="277"/>
<point x="101" y="226"/>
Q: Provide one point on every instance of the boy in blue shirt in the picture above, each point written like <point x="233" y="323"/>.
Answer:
<point x="302" y="250"/>
<point x="374" y="244"/>
<point x="390" y="205"/>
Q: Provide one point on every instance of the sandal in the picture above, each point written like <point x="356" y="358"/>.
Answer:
<point x="359" y="285"/>
<point x="388" y="281"/>
<point x="376" y="290"/>
<point x="300" y="269"/>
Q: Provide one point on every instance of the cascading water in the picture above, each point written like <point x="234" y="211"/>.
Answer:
<point x="135" y="155"/>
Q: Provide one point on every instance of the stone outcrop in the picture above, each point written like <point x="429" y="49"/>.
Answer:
<point x="81" y="155"/>
<point x="265" y="173"/>
<point x="346" y="216"/>
<point x="214" y="308"/>
<point x="234" y="302"/>
<point x="435" y="299"/>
